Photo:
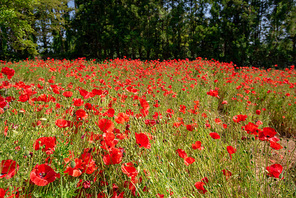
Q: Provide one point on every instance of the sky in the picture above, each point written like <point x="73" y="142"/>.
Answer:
<point x="71" y="4"/>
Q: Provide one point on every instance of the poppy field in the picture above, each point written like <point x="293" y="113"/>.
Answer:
<point x="128" y="128"/>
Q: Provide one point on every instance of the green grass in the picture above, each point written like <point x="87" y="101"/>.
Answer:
<point x="160" y="169"/>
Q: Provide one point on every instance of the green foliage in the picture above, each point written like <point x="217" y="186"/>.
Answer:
<point x="15" y="27"/>
<point x="50" y="21"/>
<point x="259" y="33"/>
<point x="25" y="23"/>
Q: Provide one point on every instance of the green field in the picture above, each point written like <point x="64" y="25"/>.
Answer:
<point x="127" y="128"/>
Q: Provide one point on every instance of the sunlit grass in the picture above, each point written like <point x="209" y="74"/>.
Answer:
<point x="174" y="103"/>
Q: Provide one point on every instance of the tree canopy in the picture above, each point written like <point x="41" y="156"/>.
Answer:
<point x="246" y="32"/>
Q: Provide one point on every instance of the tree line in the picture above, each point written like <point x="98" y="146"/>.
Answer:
<point x="245" y="32"/>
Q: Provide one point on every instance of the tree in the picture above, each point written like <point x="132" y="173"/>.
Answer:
<point x="16" y="29"/>
<point x="49" y="23"/>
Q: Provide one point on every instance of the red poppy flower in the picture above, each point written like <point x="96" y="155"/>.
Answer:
<point x="75" y="167"/>
<point x="121" y="118"/>
<point x="227" y="173"/>
<point x="48" y="142"/>
<point x="218" y="121"/>
<point x="182" y="153"/>
<point x="12" y="193"/>
<point x="102" y="195"/>
<point x="68" y="94"/>
<point x="114" y="157"/>
<point x="239" y="118"/>
<point x="9" y="98"/>
<point x="8" y="72"/>
<point x="56" y="91"/>
<point x="3" y="103"/>
<point x="170" y="111"/>
<point x="274" y="170"/>
<point x="142" y="140"/>
<point x="197" y="145"/>
<point x="231" y="151"/>
<point x="85" y="94"/>
<point x="275" y="145"/>
<point x="200" y="187"/>
<point x="86" y="185"/>
<point x="105" y="125"/>
<point x="42" y="174"/>
<point x="190" y="127"/>
<point x="23" y="98"/>
<point x="43" y="98"/>
<point x="143" y="112"/>
<point x="269" y="132"/>
<point x="205" y="179"/>
<point x="129" y="169"/>
<point x="182" y="109"/>
<point x="157" y="115"/>
<point x="88" y="106"/>
<point x="215" y="135"/>
<point x="132" y="185"/>
<point x="251" y="128"/>
<point x="78" y="102"/>
<point x="97" y="92"/>
<point x="224" y="102"/>
<point x="81" y="114"/>
<point x="177" y="124"/>
<point x="83" y="164"/>
<point x="89" y="165"/>
<point x="109" y="141"/>
<point x="2" y="192"/>
<point x="188" y="160"/>
<point x="274" y="139"/>
<point x="110" y="113"/>
<point x="258" y="112"/>
<point x="213" y="93"/>
<point x="144" y="104"/>
<point x="129" y="112"/>
<point x="150" y="122"/>
<point x="61" y="123"/>
<point x="8" y="168"/>
<point x="204" y="115"/>
<point x="259" y="122"/>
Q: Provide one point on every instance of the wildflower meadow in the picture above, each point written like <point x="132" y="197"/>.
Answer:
<point x="129" y="128"/>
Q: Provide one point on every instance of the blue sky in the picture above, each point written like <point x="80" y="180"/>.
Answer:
<point x="71" y="3"/>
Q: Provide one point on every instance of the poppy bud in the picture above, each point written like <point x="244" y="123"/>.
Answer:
<point x="127" y="127"/>
<point x="73" y="164"/>
<point x="27" y="153"/>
